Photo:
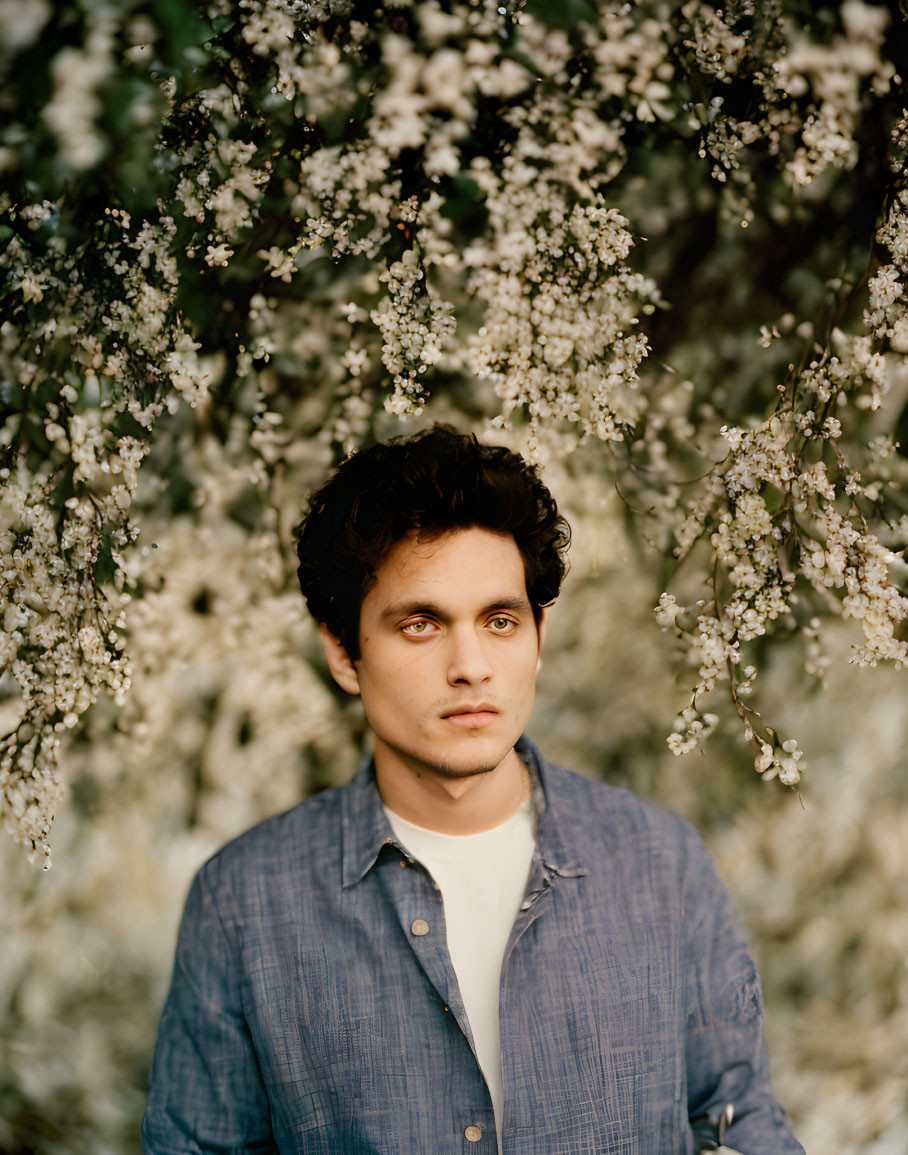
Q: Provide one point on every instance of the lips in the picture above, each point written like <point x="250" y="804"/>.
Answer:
<point x="478" y="708"/>
<point x="472" y="717"/>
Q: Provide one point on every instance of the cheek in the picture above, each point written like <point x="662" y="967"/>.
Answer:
<point x="527" y="658"/>
<point x="397" y="680"/>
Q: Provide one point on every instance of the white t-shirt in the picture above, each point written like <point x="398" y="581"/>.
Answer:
<point x="482" y="879"/>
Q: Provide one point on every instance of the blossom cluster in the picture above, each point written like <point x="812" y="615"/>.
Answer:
<point x="785" y="512"/>
<point x="413" y="326"/>
<point x="112" y="355"/>
<point x="807" y="95"/>
<point x="559" y="338"/>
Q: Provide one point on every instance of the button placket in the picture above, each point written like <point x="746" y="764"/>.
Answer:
<point x="419" y="907"/>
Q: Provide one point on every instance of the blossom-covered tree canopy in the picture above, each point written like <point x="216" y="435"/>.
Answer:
<point x="677" y="231"/>
<point x="661" y="247"/>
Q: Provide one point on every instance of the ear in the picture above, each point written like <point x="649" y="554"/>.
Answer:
<point x="340" y="664"/>
<point x="540" y="630"/>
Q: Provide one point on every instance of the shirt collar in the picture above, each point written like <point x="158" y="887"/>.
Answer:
<point x="554" y="848"/>
<point x="366" y="830"/>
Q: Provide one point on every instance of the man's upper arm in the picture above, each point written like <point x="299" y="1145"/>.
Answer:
<point x="726" y="1055"/>
<point x="206" y="1090"/>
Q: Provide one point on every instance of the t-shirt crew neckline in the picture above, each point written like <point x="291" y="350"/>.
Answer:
<point x="477" y="840"/>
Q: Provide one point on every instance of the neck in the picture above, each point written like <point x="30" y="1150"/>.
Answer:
<point x="467" y="805"/>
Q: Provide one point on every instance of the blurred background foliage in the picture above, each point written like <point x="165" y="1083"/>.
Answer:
<point x="229" y="714"/>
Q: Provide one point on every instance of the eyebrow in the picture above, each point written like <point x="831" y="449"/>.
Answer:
<point x="398" y="610"/>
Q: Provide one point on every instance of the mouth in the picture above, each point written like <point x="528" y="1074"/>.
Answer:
<point x="472" y="717"/>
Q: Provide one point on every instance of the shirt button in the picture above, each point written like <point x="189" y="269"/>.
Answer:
<point x="420" y="926"/>
<point x="473" y="1134"/>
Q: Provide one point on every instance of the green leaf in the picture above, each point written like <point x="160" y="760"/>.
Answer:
<point x="182" y="24"/>
<point x="105" y="567"/>
<point x="123" y="93"/>
<point x="464" y="194"/>
<point x="901" y="433"/>
<point x="561" y="13"/>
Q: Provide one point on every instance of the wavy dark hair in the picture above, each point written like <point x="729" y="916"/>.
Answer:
<point x="434" y="481"/>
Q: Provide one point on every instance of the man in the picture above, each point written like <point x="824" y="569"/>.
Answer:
<point x="465" y="949"/>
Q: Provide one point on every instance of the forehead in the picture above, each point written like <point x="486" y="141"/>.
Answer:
<point x="460" y="564"/>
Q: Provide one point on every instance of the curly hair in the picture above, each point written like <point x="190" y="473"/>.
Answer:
<point x="434" y="481"/>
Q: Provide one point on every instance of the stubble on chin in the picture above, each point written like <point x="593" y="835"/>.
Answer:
<point x="472" y="764"/>
<point x="456" y="773"/>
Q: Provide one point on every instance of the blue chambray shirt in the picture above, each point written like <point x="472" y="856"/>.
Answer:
<point x="306" y="1015"/>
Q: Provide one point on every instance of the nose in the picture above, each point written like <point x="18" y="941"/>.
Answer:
<point x="468" y="663"/>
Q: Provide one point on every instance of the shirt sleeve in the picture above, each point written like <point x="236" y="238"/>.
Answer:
<point x="726" y="1056"/>
<point x="206" y="1093"/>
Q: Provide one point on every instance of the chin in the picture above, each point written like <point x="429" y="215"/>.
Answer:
<point x="480" y="758"/>
<point x="447" y="770"/>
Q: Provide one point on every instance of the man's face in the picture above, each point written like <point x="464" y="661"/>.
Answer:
<point x="447" y="628"/>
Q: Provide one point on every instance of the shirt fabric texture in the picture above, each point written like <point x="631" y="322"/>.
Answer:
<point x="314" y="1008"/>
<point x="482" y="879"/>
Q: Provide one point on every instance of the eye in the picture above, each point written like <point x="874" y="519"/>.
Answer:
<point x="417" y="629"/>
<point x="501" y="624"/>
